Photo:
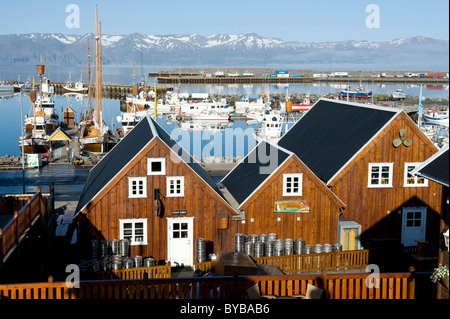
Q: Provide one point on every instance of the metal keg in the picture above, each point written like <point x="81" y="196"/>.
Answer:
<point x="248" y="248"/>
<point x="115" y="262"/>
<point x="114" y="247"/>
<point x="124" y="247"/>
<point x="137" y="261"/>
<point x="238" y="243"/>
<point x="200" y="253"/>
<point x="127" y="262"/>
<point x="259" y="249"/>
<point x="288" y="246"/>
<point x="104" y="252"/>
<point x="299" y="246"/>
<point x="327" y="248"/>
<point x="279" y="247"/>
<point x="94" y="249"/>
<point x="149" y="262"/>
<point x="254" y="238"/>
<point x="104" y="264"/>
<point x="262" y="238"/>
<point x="95" y="265"/>
<point x="337" y="247"/>
<point x="270" y="248"/>
<point x="318" y="248"/>
<point x="308" y="249"/>
<point x="273" y="237"/>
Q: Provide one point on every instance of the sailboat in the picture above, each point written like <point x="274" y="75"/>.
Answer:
<point x="42" y="122"/>
<point x="95" y="135"/>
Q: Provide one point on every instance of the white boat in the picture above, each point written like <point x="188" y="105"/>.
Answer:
<point x="214" y="108"/>
<point x="398" y="94"/>
<point x="40" y="124"/>
<point x="6" y="88"/>
<point x="210" y="116"/>
<point x="251" y="103"/>
<point x="212" y="126"/>
<point x="271" y="127"/>
<point x="436" y="117"/>
<point x="76" y="87"/>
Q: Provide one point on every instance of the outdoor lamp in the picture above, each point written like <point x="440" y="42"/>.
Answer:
<point x="446" y="239"/>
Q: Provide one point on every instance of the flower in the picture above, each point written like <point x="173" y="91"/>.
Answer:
<point x="439" y="273"/>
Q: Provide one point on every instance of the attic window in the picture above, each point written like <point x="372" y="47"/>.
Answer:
<point x="380" y="174"/>
<point x="175" y="186"/>
<point x="292" y="184"/>
<point x="411" y="180"/>
<point x="156" y="166"/>
<point x="137" y="187"/>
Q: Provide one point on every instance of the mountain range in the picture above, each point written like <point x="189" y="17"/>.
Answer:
<point x="226" y="50"/>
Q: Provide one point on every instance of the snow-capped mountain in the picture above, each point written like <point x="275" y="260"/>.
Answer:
<point x="218" y="50"/>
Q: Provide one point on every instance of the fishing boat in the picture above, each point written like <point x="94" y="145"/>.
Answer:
<point x="42" y="121"/>
<point x="302" y="106"/>
<point x="95" y="135"/>
<point x="77" y="87"/>
<point x="251" y="103"/>
<point x="6" y="88"/>
<point x="271" y="127"/>
<point x="359" y="93"/>
<point x="205" y="107"/>
<point x="398" y="94"/>
<point x="434" y="116"/>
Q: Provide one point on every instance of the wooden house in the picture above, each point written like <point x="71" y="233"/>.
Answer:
<point x="148" y="190"/>
<point x="436" y="168"/>
<point x="363" y="155"/>
<point x="278" y="193"/>
<point x="69" y="116"/>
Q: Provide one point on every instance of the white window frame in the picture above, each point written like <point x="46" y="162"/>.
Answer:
<point x="174" y="178"/>
<point x="416" y="178"/>
<point x="151" y="160"/>
<point x="131" y="181"/>
<point x="134" y="221"/>
<point x="390" y="179"/>
<point x="300" y="184"/>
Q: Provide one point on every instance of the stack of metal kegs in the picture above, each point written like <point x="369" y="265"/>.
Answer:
<point x="200" y="254"/>
<point x="279" y="247"/>
<point x="239" y="240"/>
<point x="288" y="246"/>
<point x="299" y="246"/>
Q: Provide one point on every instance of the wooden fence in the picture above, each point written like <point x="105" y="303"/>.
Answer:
<point x="336" y="286"/>
<point x="138" y="273"/>
<point x="309" y="262"/>
<point x="21" y="221"/>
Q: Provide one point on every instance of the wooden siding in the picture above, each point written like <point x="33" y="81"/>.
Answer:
<point x="369" y="206"/>
<point x="200" y="201"/>
<point x="319" y="226"/>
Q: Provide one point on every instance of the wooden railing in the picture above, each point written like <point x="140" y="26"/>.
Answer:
<point x="335" y="286"/>
<point x="21" y="221"/>
<point x="309" y="262"/>
<point x="139" y="273"/>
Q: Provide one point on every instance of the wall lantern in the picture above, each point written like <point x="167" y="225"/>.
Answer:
<point x="446" y="239"/>
<point x="157" y="206"/>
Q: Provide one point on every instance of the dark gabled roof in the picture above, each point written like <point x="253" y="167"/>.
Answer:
<point x="111" y="164"/>
<point x="253" y="170"/>
<point x="332" y="132"/>
<point x="435" y="168"/>
<point x="170" y="142"/>
<point x="130" y="146"/>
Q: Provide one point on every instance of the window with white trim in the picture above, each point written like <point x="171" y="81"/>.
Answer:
<point x="135" y="230"/>
<point x="380" y="174"/>
<point x="156" y="166"/>
<point x="137" y="187"/>
<point x="292" y="184"/>
<point x="412" y="180"/>
<point x="175" y="186"/>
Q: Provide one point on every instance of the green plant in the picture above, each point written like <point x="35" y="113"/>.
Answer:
<point x="439" y="273"/>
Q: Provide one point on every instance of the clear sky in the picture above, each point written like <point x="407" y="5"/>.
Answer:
<point x="289" y="20"/>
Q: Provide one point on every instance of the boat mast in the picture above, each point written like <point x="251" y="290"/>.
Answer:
<point x="89" y="80"/>
<point x="97" y="80"/>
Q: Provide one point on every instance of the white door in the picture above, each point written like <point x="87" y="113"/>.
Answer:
<point x="180" y="240"/>
<point x="414" y="222"/>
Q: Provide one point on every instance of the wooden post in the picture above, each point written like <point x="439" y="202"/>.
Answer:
<point x="50" y="288"/>
<point x="411" y="283"/>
